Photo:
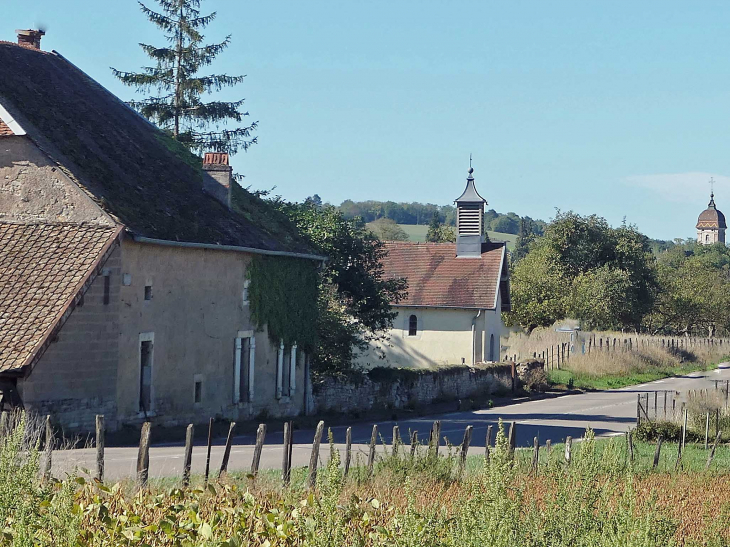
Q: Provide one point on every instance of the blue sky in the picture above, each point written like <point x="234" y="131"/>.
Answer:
<point x="616" y="108"/>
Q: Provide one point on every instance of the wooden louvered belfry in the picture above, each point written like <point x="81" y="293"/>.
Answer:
<point x="469" y="220"/>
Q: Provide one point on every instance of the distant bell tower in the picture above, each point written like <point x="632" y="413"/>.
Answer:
<point x="711" y="224"/>
<point x="470" y="220"/>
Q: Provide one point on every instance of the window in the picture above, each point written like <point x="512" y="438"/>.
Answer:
<point x="148" y="292"/>
<point x="286" y="370"/>
<point x="246" y="285"/>
<point x="412" y="325"/>
<point x="198" y="391"/>
<point x="491" y="348"/>
<point x="707" y="238"/>
<point x="244" y="368"/>
<point x="146" y="359"/>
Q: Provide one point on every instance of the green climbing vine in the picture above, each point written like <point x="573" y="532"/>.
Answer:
<point x="283" y="296"/>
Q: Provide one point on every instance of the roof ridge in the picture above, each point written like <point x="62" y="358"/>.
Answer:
<point x="38" y="222"/>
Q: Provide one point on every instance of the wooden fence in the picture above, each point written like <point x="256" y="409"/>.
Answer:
<point x="434" y="442"/>
<point x="558" y="355"/>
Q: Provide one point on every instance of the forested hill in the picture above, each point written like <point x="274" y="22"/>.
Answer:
<point x="422" y="213"/>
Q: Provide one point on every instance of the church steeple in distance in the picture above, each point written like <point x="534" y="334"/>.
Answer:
<point x="470" y="219"/>
<point x="711" y="224"/>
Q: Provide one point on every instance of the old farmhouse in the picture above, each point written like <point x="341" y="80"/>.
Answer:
<point x="456" y="294"/>
<point x="123" y="268"/>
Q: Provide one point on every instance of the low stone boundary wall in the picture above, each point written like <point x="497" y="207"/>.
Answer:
<point x="387" y="388"/>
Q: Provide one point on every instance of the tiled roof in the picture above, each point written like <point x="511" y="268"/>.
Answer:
<point x="43" y="268"/>
<point x="134" y="171"/>
<point x="5" y="131"/>
<point x="437" y="278"/>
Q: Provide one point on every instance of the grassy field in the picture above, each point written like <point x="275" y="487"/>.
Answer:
<point x="647" y="361"/>
<point x="417" y="232"/>
<point x="587" y="381"/>
<point x="601" y="497"/>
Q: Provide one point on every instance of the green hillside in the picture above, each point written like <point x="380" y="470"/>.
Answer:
<point x="417" y="232"/>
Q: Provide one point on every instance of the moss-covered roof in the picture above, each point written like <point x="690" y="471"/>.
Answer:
<point x="134" y="171"/>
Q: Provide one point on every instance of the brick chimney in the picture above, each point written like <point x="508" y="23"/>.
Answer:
<point x="30" y="38"/>
<point x="218" y="176"/>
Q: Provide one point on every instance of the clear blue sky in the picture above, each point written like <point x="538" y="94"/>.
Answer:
<point x="616" y="108"/>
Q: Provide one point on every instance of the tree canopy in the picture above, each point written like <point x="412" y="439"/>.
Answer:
<point x="386" y="229"/>
<point x="354" y="305"/>
<point x="176" y="105"/>
<point x="585" y="269"/>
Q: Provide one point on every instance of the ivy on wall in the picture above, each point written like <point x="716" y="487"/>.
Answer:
<point x="283" y="296"/>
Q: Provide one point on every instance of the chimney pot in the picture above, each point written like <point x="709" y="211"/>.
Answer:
<point x="218" y="176"/>
<point x="30" y="38"/>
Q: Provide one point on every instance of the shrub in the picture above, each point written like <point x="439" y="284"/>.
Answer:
<point x="536" y="380"/>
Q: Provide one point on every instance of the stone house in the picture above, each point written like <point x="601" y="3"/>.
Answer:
<point x="123" y="263"/>
<point x="456" y="294"/>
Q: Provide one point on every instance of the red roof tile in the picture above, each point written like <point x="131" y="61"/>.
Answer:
<point x="436" y="277"/>
<point x="43" y="268"/>
<point x="5" y="131"/>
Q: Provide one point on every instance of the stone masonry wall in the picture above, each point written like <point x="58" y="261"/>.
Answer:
<point x="398" y="388"/>
<point x="77" y="376"/>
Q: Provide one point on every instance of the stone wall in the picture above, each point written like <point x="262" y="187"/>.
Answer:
<point x="76" y="378"/>
<point x="383" y="388"/>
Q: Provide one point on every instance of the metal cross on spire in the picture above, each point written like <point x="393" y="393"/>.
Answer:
<point x="469" y="159"/>
<point x="712" y="187"/>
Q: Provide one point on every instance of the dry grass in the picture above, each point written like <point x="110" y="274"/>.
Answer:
<point x="601" y="354"/>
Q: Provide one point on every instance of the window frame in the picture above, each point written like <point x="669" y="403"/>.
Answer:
<point x="146" y="337"/>
<point x="238" y="372"/>
<point x="412" y="325"/>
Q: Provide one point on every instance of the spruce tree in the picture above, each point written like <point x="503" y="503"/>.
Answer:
<point x="434" y="229"/>
<point x="176" y="85"/>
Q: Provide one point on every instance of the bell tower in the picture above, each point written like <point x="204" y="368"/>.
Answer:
<point x="470" y="220"/>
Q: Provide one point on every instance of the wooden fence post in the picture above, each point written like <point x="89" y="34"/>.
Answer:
<point x="535" y="454"/>
<point x="712" y="452"/>
<point x="285" y="458"/>
<point x="512" y="438"/>
<point x="435" y="437"/>
<point x="143" y="456"/>
<point x="371" y="452"/>
<point x="568" y="448"/>
<point x="548" y="449"/>
<point x="100" y="447"/>
<point x="210" y="443"/>
<point x="396" y="439"/>
<point x="707" y="429"/>
<point x="638" y="409"/>
<point x="659" y="442"/>
<point x="227" y="451"/>
<point x="188" y="458"/>
<point x="414" y="442"/>
<point x="487" y="443"/>
<point x="48" y="449"/>
<point x="260" y="438"/>
<point x="465" y="446"/>
<point x="348" y="450"/>
<point x="315" y="454"/>
<point x="630" y="443"/>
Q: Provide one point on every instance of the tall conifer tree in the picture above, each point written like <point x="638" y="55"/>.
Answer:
<point x="177" y="87"/>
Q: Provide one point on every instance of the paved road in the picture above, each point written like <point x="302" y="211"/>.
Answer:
<point x="607" y="412"/>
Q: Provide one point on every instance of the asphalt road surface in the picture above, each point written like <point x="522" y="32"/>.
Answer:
<point x="606" y="412"/>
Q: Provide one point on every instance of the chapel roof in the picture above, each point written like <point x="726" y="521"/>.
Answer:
<point x="45" y="268"/>
<point x="711" y="218"/>
<point x="437" y="278"/>
<point x="470" y="194"/>
<point x="134" y="171"/>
